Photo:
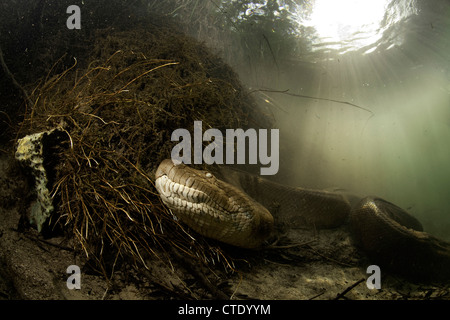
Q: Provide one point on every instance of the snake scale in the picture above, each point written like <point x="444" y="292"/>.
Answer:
<point x="238" y="208"/>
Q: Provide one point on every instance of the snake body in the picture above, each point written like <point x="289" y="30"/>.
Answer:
<point x="238" y="208"/>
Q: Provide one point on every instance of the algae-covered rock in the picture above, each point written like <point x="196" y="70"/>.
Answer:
<point x="30" y="153"/>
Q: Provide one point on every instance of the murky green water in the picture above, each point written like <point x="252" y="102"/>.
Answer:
<point x="390" y="57"/>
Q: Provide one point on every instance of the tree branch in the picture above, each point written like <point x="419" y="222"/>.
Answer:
<point x="311" y="97"/>
<point x="13" y="79"/>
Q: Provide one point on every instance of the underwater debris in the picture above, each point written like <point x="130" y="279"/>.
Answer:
<point x="118" y="114"/>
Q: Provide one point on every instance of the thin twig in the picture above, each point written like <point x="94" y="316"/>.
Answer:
<point x="311" y="97"/>
<point x="216" y="292"/>
<point x="13" y="79"/>
<point x="288" y="246"/>
<point x="271" y="52"/>
<point x="343" y="293"/>
<point x="49" y="243"/>
<point x="318" y="295"/>
<point x="328" y="258"/>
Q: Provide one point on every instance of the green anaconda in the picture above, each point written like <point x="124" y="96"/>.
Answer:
<point x="239" y="208"/>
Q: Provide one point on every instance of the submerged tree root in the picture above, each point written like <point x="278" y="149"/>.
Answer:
<point x="118" y="115"/>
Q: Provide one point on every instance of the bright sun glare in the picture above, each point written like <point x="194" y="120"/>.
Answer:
<point x="347" y="23"/>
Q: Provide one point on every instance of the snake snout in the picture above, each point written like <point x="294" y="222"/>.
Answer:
<point x="171" y="189"/>
<point x="176" y="182"/>
<point x="212" y="207"/>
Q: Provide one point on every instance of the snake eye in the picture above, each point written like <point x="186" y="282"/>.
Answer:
<point x="208" y="175"/>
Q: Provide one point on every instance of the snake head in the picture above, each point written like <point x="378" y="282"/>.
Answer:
<point x="212" y="207"/>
